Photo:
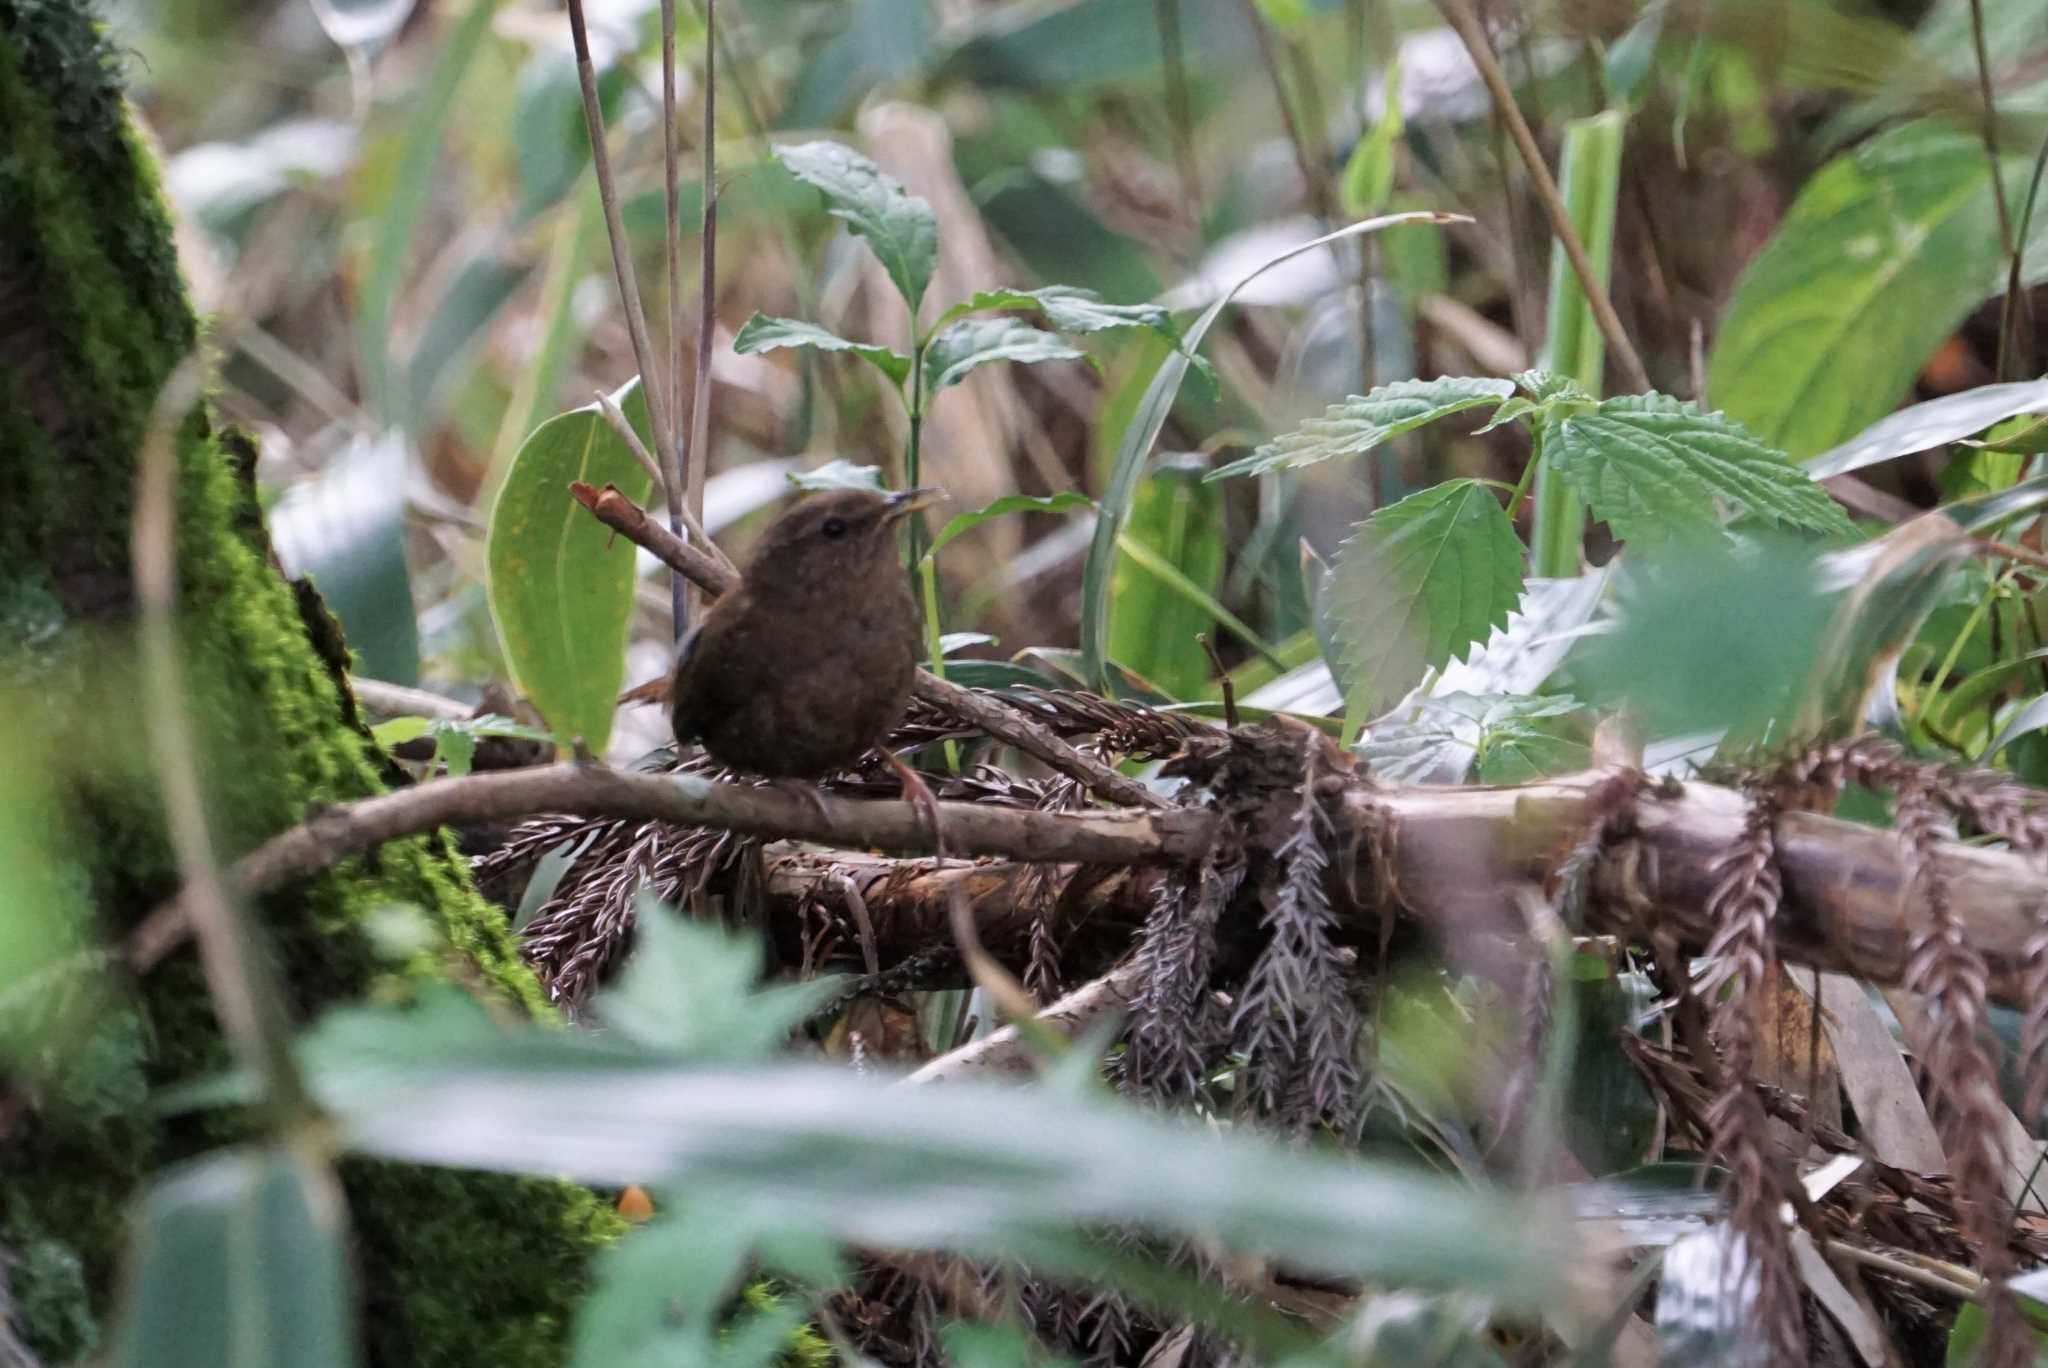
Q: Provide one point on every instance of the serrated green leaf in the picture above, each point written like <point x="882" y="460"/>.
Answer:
<point x="838" y="474"/>
<point x="763" y="333"/>
<point x="897" y="226"/>
<point x="456" y="748"/>
<point x="561" y="591"/>
<point x="974" y="342"/>
<point x="1418" y="583"/>
<point x="1369" y="174"/>
<point x="695" y="991"/>
<point x="1544" y="386"/>
<point x="1010" y="503"/>
<point x="239" y="1258"/>
<point x="1363" y="422"/>
<point x="1654" y="467"/>
<point x="1071" y="309"/>
<point x="1507" y="413"/>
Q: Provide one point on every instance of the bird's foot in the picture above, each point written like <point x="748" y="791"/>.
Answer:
<point x="809" y="793"/>
<point x="919" y="794"/>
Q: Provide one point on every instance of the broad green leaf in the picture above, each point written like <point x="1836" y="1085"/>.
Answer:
<point x="838" y="474"/>
<point x="1369" y="174"/>
<point x="1885" y="252"/>
<point x="1711" y="638"/>
<point x="561" y="586"/>
<point x="1071" y="309"/>
<point x="791" y="1146"/>
<point x="1513" y="739"/>
<point x="239" y="1258"/>
<point x="2021" y="436"/>
<point x="973" y="342"/>
<point x="1418" y="583"/>
<point x="762" y="333"/>
<point x="1134" y="444"/>
<point x="897" y="226"/>
<point x="1549" y="387"/>
<point x="1655" y="467"/>
<point x="1361" y="423"/>
<point x="693" y="990"/>
<point x="1010" y="503"/>
<point x="1919" y="427"/>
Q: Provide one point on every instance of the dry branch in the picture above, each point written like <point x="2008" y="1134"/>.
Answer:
<point x="1447" y="853"/>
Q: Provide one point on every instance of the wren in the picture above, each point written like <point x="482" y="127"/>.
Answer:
<point x="809" y="661"/>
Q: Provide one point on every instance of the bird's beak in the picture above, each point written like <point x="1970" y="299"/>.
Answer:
<point x="905" y="502"/>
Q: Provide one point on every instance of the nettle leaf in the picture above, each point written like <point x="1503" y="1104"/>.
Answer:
<point x="839" y="474"/>
<point x="763" y="333"/>
<point x="973" y="342"/>
<point x="1653" y="466"/>
<point x="1010" y="503"/>
<point x="898" y="227"/>
<point x="1545" y="387"/>
<point x="1418" y="583"/>
<point x="1361" y="423"/>
<point x="1071" y="309"/>
<point x="694" y="990"/>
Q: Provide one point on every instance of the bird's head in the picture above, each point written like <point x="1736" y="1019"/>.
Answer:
<point x="827" y="539"/>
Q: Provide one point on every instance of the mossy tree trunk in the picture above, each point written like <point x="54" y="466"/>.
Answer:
<point x="454" y="1268"/>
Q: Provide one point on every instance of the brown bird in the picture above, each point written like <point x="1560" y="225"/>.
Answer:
<point x="809" y="662"/>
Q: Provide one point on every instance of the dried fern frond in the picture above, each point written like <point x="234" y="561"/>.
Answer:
<point x="1296" y="1023"/>
<point x="1744" y="901"/>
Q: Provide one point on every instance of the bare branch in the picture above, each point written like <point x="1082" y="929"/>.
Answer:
<point x="658" y="416"/>
<point x="1458" y="14"/>
<point x="1007" y="1051"/>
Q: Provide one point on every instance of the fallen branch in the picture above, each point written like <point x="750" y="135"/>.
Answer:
<point x="1098" y="837"/>
<point x="1445" y="853"/>
<point x="979" y="711"/>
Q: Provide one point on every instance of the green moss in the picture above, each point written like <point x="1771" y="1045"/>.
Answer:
<point x="458" y="1268"/>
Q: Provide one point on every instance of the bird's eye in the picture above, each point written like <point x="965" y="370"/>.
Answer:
<point x="833" y="527"/>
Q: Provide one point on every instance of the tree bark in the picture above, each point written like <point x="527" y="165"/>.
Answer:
<point x="453" y="1268"/>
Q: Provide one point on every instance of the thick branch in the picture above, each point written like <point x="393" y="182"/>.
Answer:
<point x="1117" y="838"/>
<point x="1448" y="853"/>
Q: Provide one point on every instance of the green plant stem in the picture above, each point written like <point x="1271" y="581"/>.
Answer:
<point x="1955" y="650"/>
<point x="1590" y="174"/>
<point x="2009" y="309"/>
<point x="1170" y="573"/>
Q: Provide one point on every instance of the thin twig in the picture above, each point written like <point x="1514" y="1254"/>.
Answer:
<point x="674" y="461"/>
<point x="1989" y="128"/>
<point x="699" y="462"/>
<point x="616" y="417"/>
<point x="238" y="976"/>
<point x="1008" y="1050"/>
<point x="1314" y="183"/>
<point x="1466" y="24"/>
<point x="658" y="417"/>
